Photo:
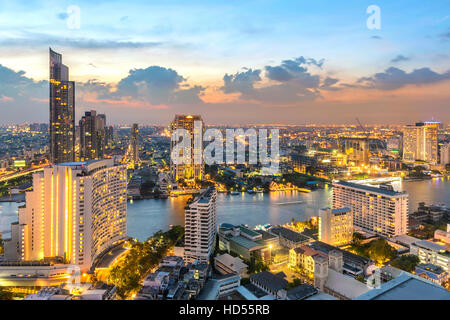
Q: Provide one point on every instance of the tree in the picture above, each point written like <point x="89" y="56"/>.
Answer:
<point x="380" y="251"/>
<point x="407" y="263"/>
<point x="5" y="294"/>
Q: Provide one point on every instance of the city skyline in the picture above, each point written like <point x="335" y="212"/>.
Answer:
<point x="233" y="63"/>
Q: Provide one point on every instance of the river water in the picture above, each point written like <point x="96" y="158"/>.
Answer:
<point x="148" y="216"/>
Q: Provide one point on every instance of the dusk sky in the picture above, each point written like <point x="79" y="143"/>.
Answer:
<point x="233" y="62"/>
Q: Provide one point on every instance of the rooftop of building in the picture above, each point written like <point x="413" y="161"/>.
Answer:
<point x="248" y="231"/>
<point x="307" y="251"/>
<point x="269" y="280"/>
<point x="430" y="245"/>
<point x="386" y="192"/>
<point x="345" y="285"/>
<point x="407" y="287"/>
<point x="232" y="262"/>
<point x="289" y="234"/>
<point x="246" y="243"/>
<point x="430" y="268"/>
<point x="301" y="292"/>
<point x="266" y="235"/>
<point x="348" y="256"/>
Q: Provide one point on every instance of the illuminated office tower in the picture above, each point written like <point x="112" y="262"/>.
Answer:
<point x="445" y="154"/>
<point x="336" y="226"/>
<point x="92" y="136"/>
<point x="420" y="142"/>
<point x="356" y="149"/>
<point x="374" y="209"/>
<point x="200" y="227"/>
<point x="62" y="111"/>
<point x="189" y="169"/>
<point x="75" y="211"/>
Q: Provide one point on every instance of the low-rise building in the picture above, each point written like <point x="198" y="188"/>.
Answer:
<point x="270" y="283"/>
<point x="433" y="253"/>
<point x="290" y="238"/>
<point x="432" y="273"/>
<point x="226" y="264"/>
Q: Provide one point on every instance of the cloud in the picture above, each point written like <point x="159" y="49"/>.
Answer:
<point x="43" y="40"/>
<point x="376" y="37"/>
<point x="242" y="82"/>
<point x="328" y="84"/>
<point x="445" y="36"/>
<point x="292" y="82"/>
<point x="62" y="15"/>
<point x="400" y="58"/>
<point x="394" y="78"/>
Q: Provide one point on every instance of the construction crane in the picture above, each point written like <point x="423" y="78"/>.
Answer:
<point x="363" y="129"/>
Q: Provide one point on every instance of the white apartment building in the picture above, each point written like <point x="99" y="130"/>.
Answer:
<point x="374" y="209"/>
<point x="336" y="226"/>
<point x="430" y="252"/>
<point x="75" y="211"/>
<point x="420" y="142"/>
<point x="200" y="227"/>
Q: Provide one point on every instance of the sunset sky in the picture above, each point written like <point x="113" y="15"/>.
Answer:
<point x="233" y="62"/>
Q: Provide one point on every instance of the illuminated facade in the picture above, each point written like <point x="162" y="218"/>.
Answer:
<point x="62" y="111"/>
<point x="188" y="169"/>
<point x="420" y="142"/>
<point x="75" y="211"/>
<point x="357" y="150"/>
<point x="374" y="209"/>
<point x="336" y="226"/>
<point x="200" y="227"/>
<point x="92" y="136"/>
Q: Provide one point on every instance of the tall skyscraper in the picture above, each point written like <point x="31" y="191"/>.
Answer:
<point x="374" y="209"/>
<point x="189" y="169"/>
<point x="75" y="211"/>
<point x="201" y="227"/>
<point x="420" y="142"/>
<point x="62" y="111"/>
<point x="92" y="136"/>
<point x="336" y="226"/>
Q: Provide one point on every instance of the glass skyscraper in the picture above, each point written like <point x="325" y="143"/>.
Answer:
<point x="62" y="111"/>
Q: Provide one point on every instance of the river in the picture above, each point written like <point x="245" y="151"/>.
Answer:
<point x="148" y="216"/>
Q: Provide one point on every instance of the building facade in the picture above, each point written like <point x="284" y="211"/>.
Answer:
<point x="62" y="111"/>
<point x="378" y="210"/>
<point x="92" y="136"/>
<point x="420" y="142"/>
<point x="200" y="227"/>
<point x="192" y="167"/>
<point x="75" y="211"/>
<point x="336" y="226"/>
<point x="445" y="154"/>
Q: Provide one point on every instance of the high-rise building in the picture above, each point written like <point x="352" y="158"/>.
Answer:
<point x="336" y="226"/>
<point x="92" y="136"/>
<point x="192" y="167"/>
<point x="420" y="142"/>
<point x="75" y="211"/>
<point x="62" y="111"/>
<point x="445" y="154"/>
<point x="374" y="209"/>
<point x="200" y="227"/>
<point x="356" y="149"/>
